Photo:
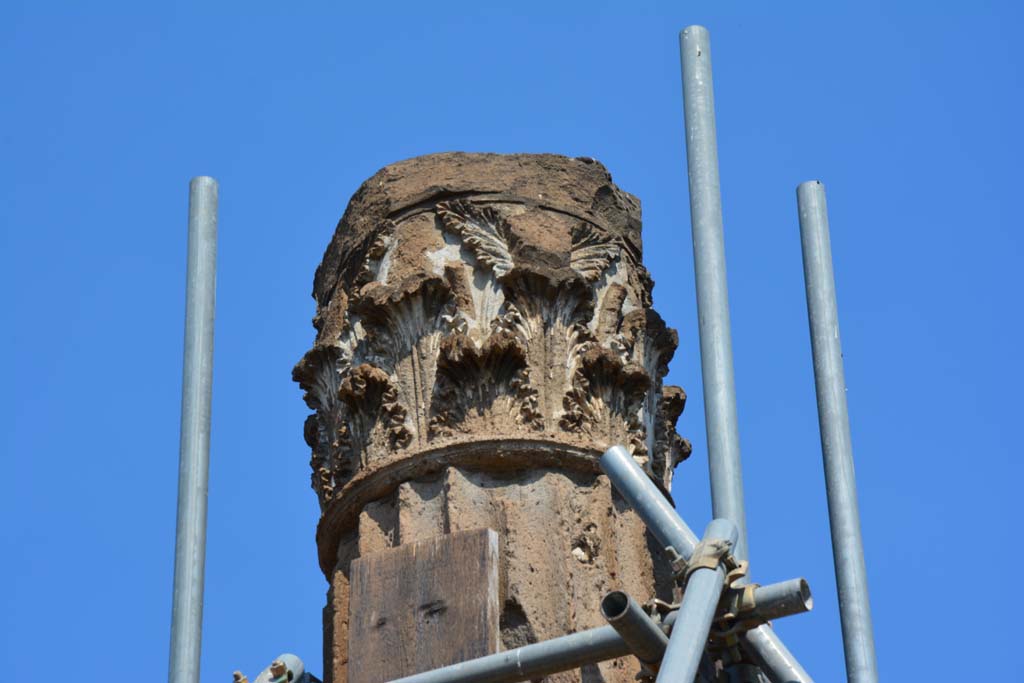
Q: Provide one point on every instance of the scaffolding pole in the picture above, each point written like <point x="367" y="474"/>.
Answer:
<point x="697" y="610"/>
<point x="836" y="445"/>
<point x="712" y="290"/>
<point x="194" y="459"/>
<point x="761" y="643"/>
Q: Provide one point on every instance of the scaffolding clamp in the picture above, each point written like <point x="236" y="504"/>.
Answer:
<point x="708" y="554"/>
<point x="738" y="602"/>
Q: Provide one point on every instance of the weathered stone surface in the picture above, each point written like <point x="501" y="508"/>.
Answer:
<point x="484" y="333"/>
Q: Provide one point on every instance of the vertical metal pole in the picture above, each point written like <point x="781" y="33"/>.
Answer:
<point x="696" y="612"/>
<point x="836" y="446"/>
<point x="193" y="467"/>
<point x="713" y="318"/>
<point x="712" y="291"/>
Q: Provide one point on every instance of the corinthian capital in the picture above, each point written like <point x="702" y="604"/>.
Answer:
<point x="489" y="309"/>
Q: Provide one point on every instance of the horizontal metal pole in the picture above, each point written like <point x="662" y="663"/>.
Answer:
<point x="534" y="661"/>
<point x="748" y="603"/>
<point x="597" y="645"/>
<point x="697" y="611"/>
<point x="601" y="644"/>
<point x="645" y="638"/>
<point x="531" y="661"/>
<point x="777" y="600"/>
<point x="836" y="445"/>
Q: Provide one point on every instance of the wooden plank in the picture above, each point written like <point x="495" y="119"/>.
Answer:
<point x="423" y="605"/>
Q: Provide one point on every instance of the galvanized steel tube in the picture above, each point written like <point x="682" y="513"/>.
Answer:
<point x="647" y="501"/>
<point x="643" y="636"/>
<point x="765" y="603"/>
<point x="531" y="661"/>
<point x="696" y="612"/>
<point x="764" y="647"/>
<point x="193" y="468"/>
<point x="773" y="600"/>
<point x="836" y="445"/>
<point x="664" y="522"/>
<point x="782" y="599"/>
<point x="712" y="289"/>
<point x="713" y="312"/>
<point x="287" y="668"/>
<point x="596" y="645"/>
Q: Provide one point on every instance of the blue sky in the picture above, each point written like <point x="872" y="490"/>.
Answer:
<point x="910" y="113"/>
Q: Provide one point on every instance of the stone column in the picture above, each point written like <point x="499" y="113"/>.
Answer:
<point x="484" y="332"/>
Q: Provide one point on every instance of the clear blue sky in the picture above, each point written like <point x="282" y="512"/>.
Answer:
<point x="910" y="113"/>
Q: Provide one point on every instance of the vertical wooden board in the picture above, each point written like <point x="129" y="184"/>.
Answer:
<point x="423" y="605"/>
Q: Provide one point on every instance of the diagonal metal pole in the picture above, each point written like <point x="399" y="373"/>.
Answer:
<point x="836" y="445"/>
<point x="193" y="467"/>
<point x="712" y="290"/>
<point x="644" y="637"/>
<point x="761" y="643"/>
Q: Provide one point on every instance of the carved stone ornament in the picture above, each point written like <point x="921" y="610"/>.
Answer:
<point x="482" y="315"/>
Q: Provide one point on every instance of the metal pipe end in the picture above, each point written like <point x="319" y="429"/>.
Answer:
<point x="783" y="599"/>
<point x="638" y="630"/>
<point x="203" y="181"/>
<point x="695" y="42"/>
<point x="286" y="666"/>
<point x="805" y="595"/>
<point x="810" y="185"/>
<point x="614" y="605"/>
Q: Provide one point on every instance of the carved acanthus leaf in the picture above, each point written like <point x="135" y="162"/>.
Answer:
<point x="669" y="449"/>
<point x="483" y="231"/>
<point x="395" y="320"/>
<point x="319" y="375"/>
<point x="370" y="396"/>
<point x="604" y="388"/>
<point x="592" y="252"/>
<point x="511" y="321"/>
<point x="473" y="379"/>
<point x="375" y="253"/>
